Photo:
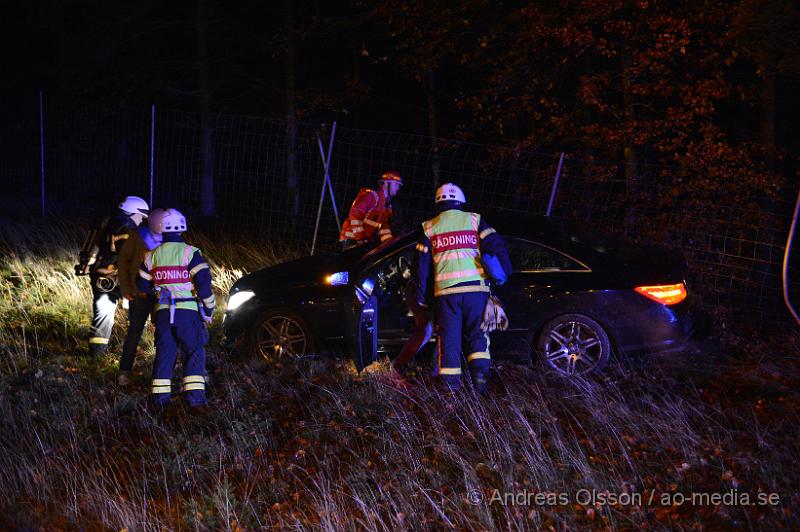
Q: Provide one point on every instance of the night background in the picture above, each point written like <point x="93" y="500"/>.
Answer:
<point x="670" y="124"/>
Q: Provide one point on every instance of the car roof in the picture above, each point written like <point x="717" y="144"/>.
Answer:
<point x="592" y="248"/>
<point x="557" y="234"/>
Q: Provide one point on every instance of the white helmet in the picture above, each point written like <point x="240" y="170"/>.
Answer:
<point x="450" y="192"/>
<point x="173" y="222"/>
<point x="134" y="205"/>
<point x="155" y="222"/>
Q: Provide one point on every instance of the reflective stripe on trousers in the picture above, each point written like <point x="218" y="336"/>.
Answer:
<point x="459" y="316"/>
<point x="189" y="334"/>
<point x="104" y="309"/>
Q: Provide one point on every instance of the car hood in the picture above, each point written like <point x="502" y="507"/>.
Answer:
<point x="307" y="270"/>
<point x="299" y="272"/>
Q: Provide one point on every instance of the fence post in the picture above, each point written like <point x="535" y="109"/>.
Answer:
<point x="328" y="177"/>
<point x="326" y="183"/>
<point x="555" y="184"/>
<point x="152" y="148"/>
<point x="41" y="144"/>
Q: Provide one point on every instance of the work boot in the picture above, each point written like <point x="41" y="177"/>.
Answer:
<point x="123" y="378"/>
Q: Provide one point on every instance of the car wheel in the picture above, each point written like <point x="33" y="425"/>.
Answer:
<point x="573" y="345"/>
<point x="282" y="334"/>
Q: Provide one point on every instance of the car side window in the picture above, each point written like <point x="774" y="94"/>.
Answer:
<point x="527" y="256"/>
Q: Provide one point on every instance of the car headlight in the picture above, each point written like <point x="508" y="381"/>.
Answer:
<point x="237" y="299"/>
<point x="338" y="278"/>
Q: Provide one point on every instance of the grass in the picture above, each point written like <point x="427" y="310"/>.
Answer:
<point x="314" y="444"/>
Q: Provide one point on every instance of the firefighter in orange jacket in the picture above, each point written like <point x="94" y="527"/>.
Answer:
<point x="371" y="214"/>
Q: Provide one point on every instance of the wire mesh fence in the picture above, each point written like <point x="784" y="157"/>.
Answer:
<point x="263" y="176"/>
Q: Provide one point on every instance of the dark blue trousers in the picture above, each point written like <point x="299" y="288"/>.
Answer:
<point x="188" y="333"/>
<point x="458" y="321"/>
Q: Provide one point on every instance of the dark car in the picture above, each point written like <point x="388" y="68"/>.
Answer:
<point x="571" y="300"/>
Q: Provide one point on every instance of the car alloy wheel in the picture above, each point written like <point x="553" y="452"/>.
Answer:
<point x="574" y="344"/>
<point x="282" y="334"/>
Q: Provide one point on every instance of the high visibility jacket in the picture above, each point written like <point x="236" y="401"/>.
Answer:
<point x="168" y="269"/>
<point x="369" y="217"/>
<point x="455" y="249"/>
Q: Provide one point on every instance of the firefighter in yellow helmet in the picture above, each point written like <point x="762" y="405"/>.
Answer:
<point x="371" y="213"/>
<point x="450" y="256"/>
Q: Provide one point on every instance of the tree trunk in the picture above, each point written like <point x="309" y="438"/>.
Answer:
<point x="291" y="119"/>
<point x="767" y="118"/>
<point x="767" y="138"/>
<point x="433" y="131"/>
<point x="629" y="150"/>
<point x="587" y="152"/>
<point x="207" y="203"/>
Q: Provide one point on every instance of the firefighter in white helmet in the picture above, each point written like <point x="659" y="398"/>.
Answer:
<point x="449" y="257"/>
<point x="180" y="278"/>
<point x="98" y="260"/>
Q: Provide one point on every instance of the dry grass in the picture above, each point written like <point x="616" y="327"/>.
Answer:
<point x="313" y="444"/>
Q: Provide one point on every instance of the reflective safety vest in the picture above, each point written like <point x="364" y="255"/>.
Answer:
<point x="168" y="265"/>
<point x="369" y="216"/>
<point x="455" y="247"/>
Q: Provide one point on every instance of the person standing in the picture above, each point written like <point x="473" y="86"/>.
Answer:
<point x="370" y="215"/>
<point x="449" y="257"/>
<point x="140" y="304"/>
<point x="99" y="259"/>
<point x="180" y="278"/>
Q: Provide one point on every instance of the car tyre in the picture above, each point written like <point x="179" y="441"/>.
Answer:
<point x="281" y="333"/>
<point x="574" y="345"/>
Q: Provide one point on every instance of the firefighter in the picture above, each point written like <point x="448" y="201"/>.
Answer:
<point x="99" y="260"/>
<point x="140" y="304"/>
<point x="371" y="213"/>
<point x="449" y="256"/>
<point x="180" y="278"/>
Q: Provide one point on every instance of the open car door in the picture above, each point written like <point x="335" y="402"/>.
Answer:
<point x="365" y="350"/>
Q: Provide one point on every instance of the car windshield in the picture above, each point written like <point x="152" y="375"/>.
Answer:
<point x="379" y="250"/>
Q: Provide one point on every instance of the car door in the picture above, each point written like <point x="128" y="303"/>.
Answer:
<point x="383" y="320"/>
<point x="366" y="334"/>
<point x="538" y="270"/>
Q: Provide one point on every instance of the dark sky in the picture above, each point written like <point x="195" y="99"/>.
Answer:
<point x="147" y="52"/>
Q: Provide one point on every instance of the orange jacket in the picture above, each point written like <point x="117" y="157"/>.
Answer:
<point x="369" y="217"/>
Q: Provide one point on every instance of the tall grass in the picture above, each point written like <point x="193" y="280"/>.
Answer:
<point x="313" y="444"/>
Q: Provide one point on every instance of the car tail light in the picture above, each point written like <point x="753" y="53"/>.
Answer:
<point x="668" y="294"/>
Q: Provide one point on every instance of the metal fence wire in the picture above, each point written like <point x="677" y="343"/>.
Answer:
<point x="92" y="155"/>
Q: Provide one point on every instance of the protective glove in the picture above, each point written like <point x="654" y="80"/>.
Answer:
<point x="494" y="317"/>
<point x="207" y="315"/>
